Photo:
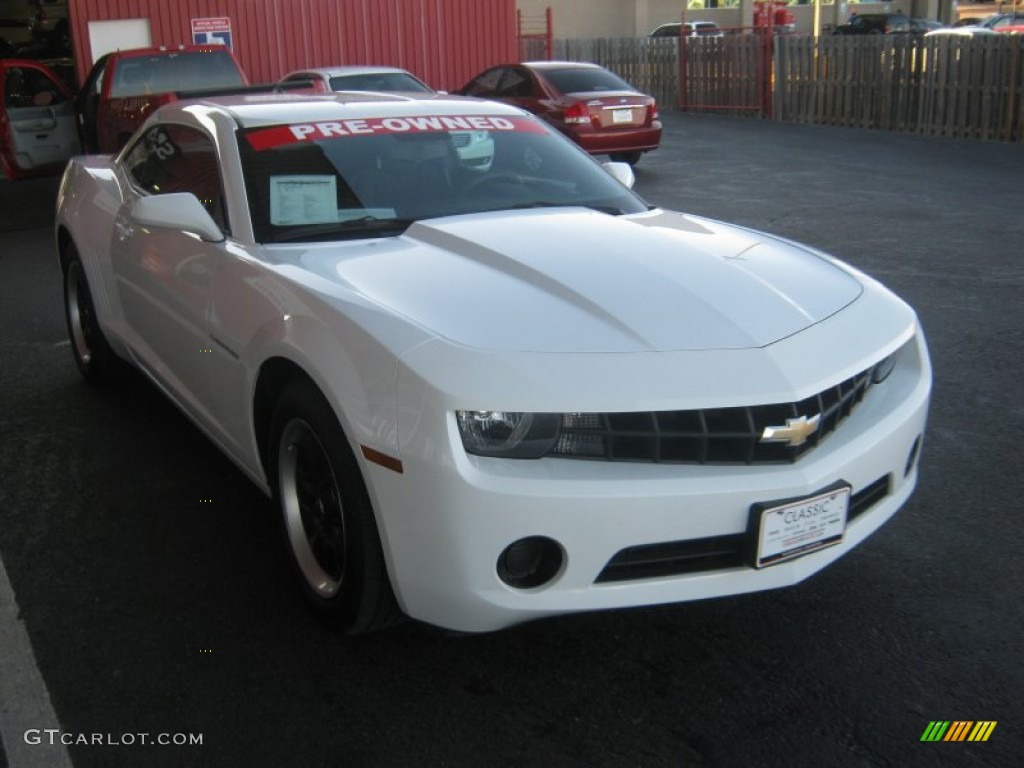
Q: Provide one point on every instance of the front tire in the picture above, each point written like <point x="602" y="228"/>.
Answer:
<point x="96" y="361"/>
<point x="326" y="515"/>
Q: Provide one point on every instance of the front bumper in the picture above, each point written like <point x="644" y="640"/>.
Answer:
<point x="446" y="519"/>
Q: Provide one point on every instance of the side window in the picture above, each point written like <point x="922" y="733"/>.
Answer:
<point x="516" y="84"/>
<point x="30" y="87"/>
<point x="486" y="84"/>
<point x="177" y="158"/>
<point x="15" y="88"/>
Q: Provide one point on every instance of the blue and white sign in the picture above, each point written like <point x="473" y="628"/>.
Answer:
<point x="212" y="31"/>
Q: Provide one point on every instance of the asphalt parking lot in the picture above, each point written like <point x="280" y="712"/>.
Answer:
<point x="149" y="612"/>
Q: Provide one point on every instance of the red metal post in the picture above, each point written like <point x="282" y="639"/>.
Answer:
<point x="519" y="34"/>
<point x="683" y="85"/>
<point x="767" y="47"/>
<point x="549" y="38"/>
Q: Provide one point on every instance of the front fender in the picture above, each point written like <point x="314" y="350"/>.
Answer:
<point x="87" y="204"/>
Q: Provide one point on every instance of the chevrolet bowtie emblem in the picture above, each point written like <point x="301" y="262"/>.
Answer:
<point x="795" y="432"/>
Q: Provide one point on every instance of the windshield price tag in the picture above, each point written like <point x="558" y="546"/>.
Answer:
<point x="797" y="527"/>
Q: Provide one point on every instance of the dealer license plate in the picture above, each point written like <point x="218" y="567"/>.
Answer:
<point x="797" y="527"/>
<point x="622" y="115"/>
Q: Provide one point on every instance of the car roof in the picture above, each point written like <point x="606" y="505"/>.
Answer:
<point x="543" y="65"/>
<point x="341" y="71"/>
<point x="157" y="50"/>
<point x="261" y="109"/>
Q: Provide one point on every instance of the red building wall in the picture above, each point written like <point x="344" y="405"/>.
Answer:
<point x="444" y="42"/>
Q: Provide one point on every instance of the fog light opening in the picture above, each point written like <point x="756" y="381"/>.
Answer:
<point x="915" y="450"/>
<point x="530" y="562"/>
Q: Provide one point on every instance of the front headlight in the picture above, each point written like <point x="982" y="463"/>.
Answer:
<point x="881" y="370"/>
<point x="508" y="434"/>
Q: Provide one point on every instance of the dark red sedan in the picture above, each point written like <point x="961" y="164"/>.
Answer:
<point x="594" y="107"/>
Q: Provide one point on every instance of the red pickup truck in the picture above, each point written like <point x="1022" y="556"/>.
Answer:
<point x="123" y="87"/>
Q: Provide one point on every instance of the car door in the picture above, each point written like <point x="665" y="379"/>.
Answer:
<point x="37" y="122"/>
<point x="164" y="276"/>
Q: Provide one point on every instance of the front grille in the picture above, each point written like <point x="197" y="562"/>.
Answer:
<point x="675" y="558"/>
<point x="707" y="436"/>
<point x="460" y="138"/>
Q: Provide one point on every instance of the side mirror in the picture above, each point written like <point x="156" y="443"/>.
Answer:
<point x="178" y="210"/>
<point x="622" y="173"/>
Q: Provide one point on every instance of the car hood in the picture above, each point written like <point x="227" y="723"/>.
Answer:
<point x="575" y="280"/>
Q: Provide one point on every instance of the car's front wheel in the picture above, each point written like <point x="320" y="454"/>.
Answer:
<point x="326" y="514"/>
<point x="96" y="361"/>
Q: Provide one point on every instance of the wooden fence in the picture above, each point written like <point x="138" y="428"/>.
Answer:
<point x="964" y="87"/>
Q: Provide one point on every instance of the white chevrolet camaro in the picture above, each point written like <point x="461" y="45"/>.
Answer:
<point x="486" y="394"/>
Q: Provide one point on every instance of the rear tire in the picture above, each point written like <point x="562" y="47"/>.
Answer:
<point x="326" y="515"/>
<point x="96" y="361"/>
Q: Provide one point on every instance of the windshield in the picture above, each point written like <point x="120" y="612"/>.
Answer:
<point x="373" y="177"/>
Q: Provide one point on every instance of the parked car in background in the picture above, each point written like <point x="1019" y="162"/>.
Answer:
<point x="360" y="78"/>
<point x="962" y="31"/>
<point x="1012" y="22"/>
<point x="688" y="29"/>
<point x="924" y="26"/>
<point x="1000" y="23"/>
<point x="875" y="24"/>
<point x="37" y="119"/>
<point x="592" y="106"/>
<point x="475" y="148"/>
<point x="485" y="398"/>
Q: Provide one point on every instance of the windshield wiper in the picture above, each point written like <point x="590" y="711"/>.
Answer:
<point x="350" y="228"/>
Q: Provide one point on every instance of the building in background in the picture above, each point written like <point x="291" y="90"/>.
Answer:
<point x="444" y="42"/>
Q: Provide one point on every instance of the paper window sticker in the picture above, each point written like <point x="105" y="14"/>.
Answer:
<point x="298" y="200"/>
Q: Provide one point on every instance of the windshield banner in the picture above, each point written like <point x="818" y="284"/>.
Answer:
<point x="280" y="135"/>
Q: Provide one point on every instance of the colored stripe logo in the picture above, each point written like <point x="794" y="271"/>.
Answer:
<point x="958" y="730"/>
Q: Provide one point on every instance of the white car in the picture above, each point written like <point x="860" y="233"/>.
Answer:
<point x="360" y="78"/>
<point x="966" y="31"/>
<point x="475" y="148"/>
<point x="483" y="398"/>
<point x="689" y="29"/>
